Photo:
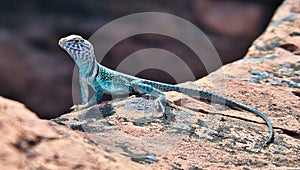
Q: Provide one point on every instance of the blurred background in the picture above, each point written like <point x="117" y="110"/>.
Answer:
<point x="35" y="71"/>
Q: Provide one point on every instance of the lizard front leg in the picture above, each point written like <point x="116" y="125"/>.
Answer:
<point x="85" y="93"/>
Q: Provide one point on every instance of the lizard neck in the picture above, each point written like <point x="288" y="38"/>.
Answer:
<point x="86" y="65"/>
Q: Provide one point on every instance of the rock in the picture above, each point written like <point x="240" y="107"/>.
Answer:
<point x="199" y="134"/>
<point x="194" y="134"/>
<point x="28" y="142"/>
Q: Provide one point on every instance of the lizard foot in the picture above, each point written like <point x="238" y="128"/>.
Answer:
<point x="162" y="104"/>
<point x="159" y="105"/>
<point x="78" y="107"/>
<point x="174" y="106"/>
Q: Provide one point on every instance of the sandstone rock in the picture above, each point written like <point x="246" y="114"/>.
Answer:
<point x="195" y="135"/>
<point x="202" y="135"/>
<point x="30" y="143"/>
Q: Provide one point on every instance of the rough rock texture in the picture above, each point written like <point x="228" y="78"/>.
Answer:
<point x="194" y="135"/>
<point x="38" y="73"/>
<point x="199" y="134"/>
<point x="28" y="142"/>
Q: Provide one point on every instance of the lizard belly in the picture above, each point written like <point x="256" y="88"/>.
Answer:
<point x="116" y="90"/>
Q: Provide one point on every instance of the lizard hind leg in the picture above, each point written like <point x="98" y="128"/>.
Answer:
<point x="140" y="87"/>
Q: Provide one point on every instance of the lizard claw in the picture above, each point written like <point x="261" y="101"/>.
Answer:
<point x="77" y="107"/>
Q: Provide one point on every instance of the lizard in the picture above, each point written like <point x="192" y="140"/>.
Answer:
<point x="104" y="80"/>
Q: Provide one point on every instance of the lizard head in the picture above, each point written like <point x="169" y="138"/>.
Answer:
<point x="77" y="47"/>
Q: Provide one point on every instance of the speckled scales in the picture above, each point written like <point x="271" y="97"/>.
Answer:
<point x="106" y="81"/>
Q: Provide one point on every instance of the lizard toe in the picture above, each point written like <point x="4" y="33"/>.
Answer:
<point x="77" y="107"/>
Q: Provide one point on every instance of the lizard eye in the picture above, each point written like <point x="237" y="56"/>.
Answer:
<point x="76" y="41"/>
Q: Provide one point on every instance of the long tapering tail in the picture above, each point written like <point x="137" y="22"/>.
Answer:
<point x="216" y="98"/>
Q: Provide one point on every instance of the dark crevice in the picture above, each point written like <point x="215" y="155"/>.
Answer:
<point x="290" y="47"/>
<point x="291" y="133"/>
<point x="296" y="93"/>
<point x="25" y="145"/>
<point x="222" y="114"/>
<point x="294" y="34"/>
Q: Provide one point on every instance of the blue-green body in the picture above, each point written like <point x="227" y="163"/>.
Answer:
<point x="106" y="81"/>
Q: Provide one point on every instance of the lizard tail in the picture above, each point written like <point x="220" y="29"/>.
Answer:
<point x="257" y="112"/>
<point x="219" y="99"/>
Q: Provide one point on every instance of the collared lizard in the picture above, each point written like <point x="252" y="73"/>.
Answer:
<point x="107" y="81"/>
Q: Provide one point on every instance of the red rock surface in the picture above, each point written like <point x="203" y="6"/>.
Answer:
<point x="199" y="135"/>
<point x="28" y="142"/>
<point x="196" y="135"/>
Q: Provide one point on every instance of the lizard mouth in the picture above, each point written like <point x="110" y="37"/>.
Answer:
<point x="62" y="42"/>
